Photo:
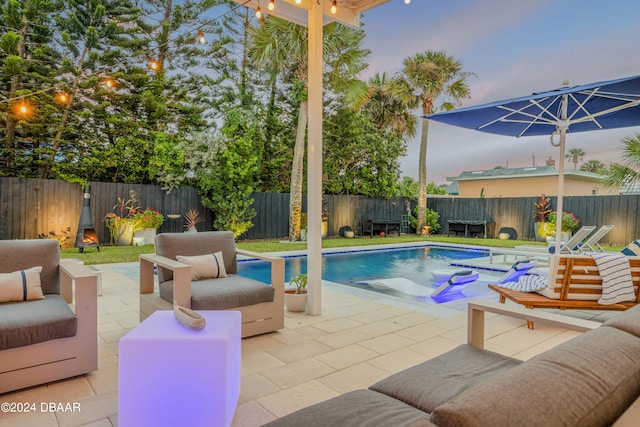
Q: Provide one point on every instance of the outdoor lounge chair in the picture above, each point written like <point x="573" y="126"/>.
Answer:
<point x="574" y="282"/>
<point x="261" y="305"/>
<point x="54" y="334"/>
<point x="593" y="241"/>
<point x="456" y="283"/>
<point x="572" y="245"/>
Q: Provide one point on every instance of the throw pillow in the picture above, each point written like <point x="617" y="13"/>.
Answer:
<point x="210" y="266"/>
<point x="21" y="285"/>
<point x="528" y="283"/>
<point x="633" y="249"/>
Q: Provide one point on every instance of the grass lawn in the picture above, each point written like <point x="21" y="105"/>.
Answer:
<point x="112" y="254"/>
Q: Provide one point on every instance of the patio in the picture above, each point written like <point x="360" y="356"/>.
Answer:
<point x="359" y="338"/>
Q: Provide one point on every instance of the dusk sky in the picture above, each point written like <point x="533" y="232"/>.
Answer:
<point x="514" y="48"/>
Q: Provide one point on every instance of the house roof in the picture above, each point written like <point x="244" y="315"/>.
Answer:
<point x="527" y="172"/>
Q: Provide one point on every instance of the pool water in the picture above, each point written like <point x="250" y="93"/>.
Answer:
<point x="413" y="263"/>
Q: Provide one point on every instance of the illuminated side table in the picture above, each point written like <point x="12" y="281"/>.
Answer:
<point x="170" y="375"/>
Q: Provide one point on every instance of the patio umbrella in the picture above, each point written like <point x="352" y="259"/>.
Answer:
<point x="603" y="105"/>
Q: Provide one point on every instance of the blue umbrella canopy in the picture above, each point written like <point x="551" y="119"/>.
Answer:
<point x="603" y="105"/>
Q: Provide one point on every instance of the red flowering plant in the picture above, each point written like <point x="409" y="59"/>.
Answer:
<point x="148" y="218"/>
<point x="543" y="209"/>
<point x="570" y="222"/>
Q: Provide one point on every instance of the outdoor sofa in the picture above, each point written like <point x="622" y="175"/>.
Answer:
<point x="590" y="380"/>
<point x="54" y="333"/>
<point x="261" y="305"/>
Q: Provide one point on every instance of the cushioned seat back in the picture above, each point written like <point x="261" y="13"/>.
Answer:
<point x="22" y="254"/>
<point x="189" y="244"/>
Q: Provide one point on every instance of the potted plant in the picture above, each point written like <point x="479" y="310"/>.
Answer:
<point x="325" y="218"/>
<point x="121" y="222"/>
<point x="570" y="223"/>
<point x="303" y="226"/>
<point x="146" y="222"/>
<point x="541" y="224"/>
<point x="295" y="299"/>
<point x="191" y="219"/>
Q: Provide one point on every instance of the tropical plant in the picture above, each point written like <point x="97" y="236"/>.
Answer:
<point x="279" y="46"/>
<point x="627" y="172"/>
<point x="62" y="237"/>
<point x="570" y="223"/>
<point x="434" y="81"/>
<point x="192" y="218"/>
<point x="576" y="155"/>
<point x="431" y="219"/>
<point x="122" y="215"/>
<point x="543" y="208"/>
<point x="301" y="283"/>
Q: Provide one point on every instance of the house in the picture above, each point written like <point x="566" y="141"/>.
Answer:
<point x="529" y="181"/>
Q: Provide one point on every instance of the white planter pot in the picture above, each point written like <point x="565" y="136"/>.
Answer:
<point x="125" y="235"/>
<point x="145" y="236"/>
<point x="295" y="302"/>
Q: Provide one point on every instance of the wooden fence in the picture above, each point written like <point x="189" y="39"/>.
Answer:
<point x="29" y="207"/>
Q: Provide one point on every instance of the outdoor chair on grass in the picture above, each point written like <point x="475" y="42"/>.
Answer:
<point x="592" y="244"/>
<point x="572" y="245"/>
<point x="48" y="326"/>
<point x="575" y="282"/>
<point x="199" y="271"/>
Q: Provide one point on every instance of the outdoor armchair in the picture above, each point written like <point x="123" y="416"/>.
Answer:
<point x="199" y="271"/>
<point x="53" y="334"/>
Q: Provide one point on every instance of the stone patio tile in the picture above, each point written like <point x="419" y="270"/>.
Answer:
<point x="254" y="386"/>
<point x="258" y="362"/>
<point x="251" y="414"/>
<point x="300" y="396"/>
<point x="347" y="356"/>
<point x="379" y="328"/>
<point x="337" y="325"/>
<point x="354" y="377"/>
<point x="342" y="338"/>
<point x="421" y="332"/>
<point x="398" y="360"/>
<point x="297" y="372"/>
<point x="303" y="350"/>
<point x="387" y="343"/>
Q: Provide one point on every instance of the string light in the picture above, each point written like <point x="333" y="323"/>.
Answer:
<point x="153" y="65"/>
<point x="407" y="1"/>
<point x="109" y="83"/>
<point x="259" y="13"/>
<point x="63" y="97"/>
<point x="272" y="5"/>
<point x="334" y="7"/>
<point x="200" y="39"/>
<point x="22" y="108"/>
<point x="298" y="1"/>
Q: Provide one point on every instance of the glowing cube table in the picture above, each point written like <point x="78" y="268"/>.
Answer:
<point x="170" y="375"/>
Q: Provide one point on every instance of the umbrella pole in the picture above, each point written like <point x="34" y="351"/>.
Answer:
<point x="563" y="134"/>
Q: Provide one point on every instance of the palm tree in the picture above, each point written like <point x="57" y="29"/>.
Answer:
<point x="576" y="155"/>
<point x="386" y="108"/>
<point x="594" y="166"/>
<point x="431" y="77"/>
<point x="281" y="46"/>
<point x="627" y="172"/>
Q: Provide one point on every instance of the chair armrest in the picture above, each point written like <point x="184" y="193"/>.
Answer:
<point x="277" y="267"/>
<point x="476" y="310"/>
<point x="181" y="277"/>
<point x="85" y="295"/>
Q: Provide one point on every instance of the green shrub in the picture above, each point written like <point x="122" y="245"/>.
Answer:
<point x="431" y="219"/>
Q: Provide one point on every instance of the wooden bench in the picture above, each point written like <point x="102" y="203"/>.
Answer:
<point x="577" y="281"/>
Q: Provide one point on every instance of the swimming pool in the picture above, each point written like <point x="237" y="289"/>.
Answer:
<point x="413" y="263"/>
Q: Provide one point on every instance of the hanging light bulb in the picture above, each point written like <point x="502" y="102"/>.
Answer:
<point x="407" y="1"/>
<point x="22" y="108"/>
<point x="272" y="4"/>
<point x="200" y="39"/>
<point x="334" y="7"/>
<point x="63" y="97"/>
<point x="259" y="13"/>
<point x="298" y="1"/>
<point x="109" y="83"/>
<point x="153" y="65"/>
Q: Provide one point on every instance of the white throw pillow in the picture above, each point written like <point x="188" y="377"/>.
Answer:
<point x="21" y="285"/>
<point x="210" y="266"/>
<point x="527" y="283"/>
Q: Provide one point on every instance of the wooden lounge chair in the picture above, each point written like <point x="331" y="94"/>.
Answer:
<point x="576" y="284"/>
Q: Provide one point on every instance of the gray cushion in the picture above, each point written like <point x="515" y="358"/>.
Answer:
<point x="628" y="321"/>
<point x="31" y="322"/>
<point x="189" y="244"/>
<point x="587" y="381"/>
<point x="360" y="408"/>
<point x="22" y="254"/>
<point x="221" y="294"/>
<point x="435" y="381"/>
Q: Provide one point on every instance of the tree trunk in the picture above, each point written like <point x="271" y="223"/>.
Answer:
<point x="295" y="202"/>
<point x="422" y="177"/>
